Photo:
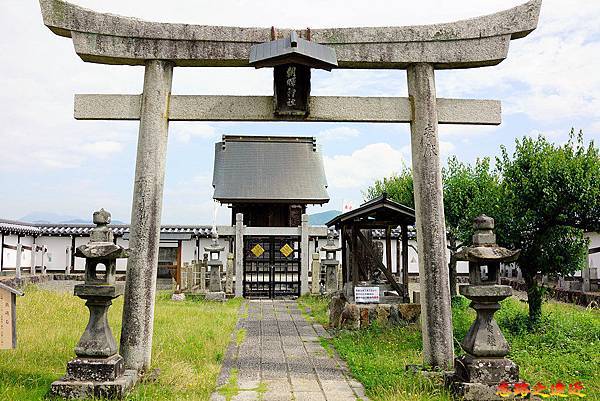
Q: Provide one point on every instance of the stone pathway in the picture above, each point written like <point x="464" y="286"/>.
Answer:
<point x="275" y="355"/>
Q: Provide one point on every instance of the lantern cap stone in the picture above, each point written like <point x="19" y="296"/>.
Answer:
<point x="483" y="222"/>
<point x="214" y="245"/>
<point x="101" y="217"/>
<point x="101" y="245"/>
<point x="330" y="246"/>
<point x="484" y="247"/>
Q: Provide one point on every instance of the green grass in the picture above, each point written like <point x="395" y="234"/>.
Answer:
<point x="315" y="308"/>
<point x="190" y="339"/>
<point x="565" y="348"/>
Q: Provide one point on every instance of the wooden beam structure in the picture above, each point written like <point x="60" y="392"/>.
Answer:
<point x="404" y="234"/>
<point x="387" y="273"/>
<point x="388" y="248"/>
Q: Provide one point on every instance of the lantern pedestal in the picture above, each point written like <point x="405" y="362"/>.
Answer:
<point x="484" y="367"/>
<point x="480" y="371"/>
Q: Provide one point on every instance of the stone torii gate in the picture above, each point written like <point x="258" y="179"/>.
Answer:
<point x="159" y="47"/>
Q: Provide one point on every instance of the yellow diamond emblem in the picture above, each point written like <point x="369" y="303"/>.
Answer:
<point x="257" y="250"/>
<point x="286" y="250"/>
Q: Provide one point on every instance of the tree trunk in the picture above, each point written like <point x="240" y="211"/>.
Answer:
<point x="452" y="267"/>
<point x="534" y="298"/>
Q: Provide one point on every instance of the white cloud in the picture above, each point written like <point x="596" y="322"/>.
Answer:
<point x="464" y="131"/>
<point x="363" y="166"/>
<point x="102" y="149"/>
<point x="338" y="134"/>
<point x="593" y="130"/>
<point x="550" y="76"/>
<point x="446" y="148"/>
<point x="198" y="130"/>
<point x="189" y="201"/>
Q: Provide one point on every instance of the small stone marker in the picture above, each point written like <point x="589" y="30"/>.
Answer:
<point x="8" y="316"/>
<point x="229" y="274"/>
<point x="366" y="295"/>
<point x="216" y="292"/>
<point x="331" y="264"/>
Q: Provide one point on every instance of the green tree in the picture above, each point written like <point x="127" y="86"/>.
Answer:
<point x="552" y="195"/>
<point x="398" y="187"/>
<point x="468" y="192"/>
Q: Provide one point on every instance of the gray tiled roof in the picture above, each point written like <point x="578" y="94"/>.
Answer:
<point x="22" y="228"/>
<point x="18" y="227"/>
<point x="293" y="49"/>
<point x="271" y="169"/>
<point x="78" y="229"/>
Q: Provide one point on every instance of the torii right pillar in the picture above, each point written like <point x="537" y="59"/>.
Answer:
<point x="438" y="345"/>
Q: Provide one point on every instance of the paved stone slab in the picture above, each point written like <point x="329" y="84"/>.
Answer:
<point x="281" y="359"/>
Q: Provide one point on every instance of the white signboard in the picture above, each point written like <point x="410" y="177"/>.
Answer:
<point x="366" y="295"/>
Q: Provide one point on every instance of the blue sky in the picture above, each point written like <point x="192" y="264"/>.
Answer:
<point x="50" y="162"/>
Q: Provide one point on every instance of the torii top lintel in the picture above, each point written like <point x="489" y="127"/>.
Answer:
<point x="112" y="39"/>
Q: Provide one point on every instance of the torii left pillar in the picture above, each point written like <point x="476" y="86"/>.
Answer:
<point x="142" y="265"/>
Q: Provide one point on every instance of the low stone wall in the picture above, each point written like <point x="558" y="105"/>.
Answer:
<point x="352" y="316"/>
<point x="559" y="294"/>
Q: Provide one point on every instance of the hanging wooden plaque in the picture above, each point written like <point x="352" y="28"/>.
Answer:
<point x="292" y="90"/>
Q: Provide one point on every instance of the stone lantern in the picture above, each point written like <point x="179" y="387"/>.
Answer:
<point x="331" y="264"/>
<point x="98" y="370"/>
<point x="214" y="261"/>
<point x="480" y="371"/>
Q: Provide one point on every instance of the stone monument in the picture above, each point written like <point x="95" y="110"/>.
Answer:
<point x="229" y="274"/>
<point x="215" y="287"/>
<point x="98" y="370"/>
<point x="331" y="264"/>
<point x="480" y="371"/>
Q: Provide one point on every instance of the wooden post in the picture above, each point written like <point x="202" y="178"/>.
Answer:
<point x="388" y="248"/>
<point x="72" y="264"/>
<point x="345" y="270"/>
<point x="44" y="251"/>
<point x="405" y="263"/>
<point x="67" y="260"/>
<point x="178" y="266"/>
<point x="399" y="258"/>
<point x="354" y="256"/>
<point x="18" y="261"/>
<point x="2" y="252"/>
<point x="33" y="257"/>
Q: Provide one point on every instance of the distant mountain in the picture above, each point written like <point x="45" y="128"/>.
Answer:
<point x="82" y="221"/>
<point x="319" y="219"/>
<point x="56" y="218"/>
<point x="46" y="217"/>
